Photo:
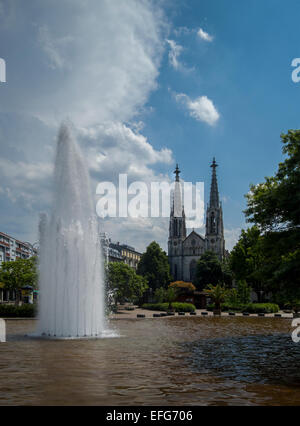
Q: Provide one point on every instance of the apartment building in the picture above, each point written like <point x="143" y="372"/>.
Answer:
<point x="12" y="249"/>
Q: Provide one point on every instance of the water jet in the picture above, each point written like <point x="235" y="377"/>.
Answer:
<point x="71" y="271"/>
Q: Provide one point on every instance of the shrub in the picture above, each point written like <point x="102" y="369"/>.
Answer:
<point x="251" y="308"/>
<point x="262" y="308"/>
<point x="179" y="307"/>
<point x="12" y="311"/>
<point x="234" y="307"/>
<point x="231" y="297"/>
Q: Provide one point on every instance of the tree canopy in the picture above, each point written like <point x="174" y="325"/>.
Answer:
<point x="208" y="271"/>
<point x="125" y="283"/>
<point x="274" y="207"/>
<point x="154" y="266"/>
<point x="19" y="273"/>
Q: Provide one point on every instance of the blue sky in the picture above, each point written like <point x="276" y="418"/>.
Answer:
<point x="146" y="84"/>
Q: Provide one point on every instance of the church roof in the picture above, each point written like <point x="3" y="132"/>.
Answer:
<point x="195" y="234"/>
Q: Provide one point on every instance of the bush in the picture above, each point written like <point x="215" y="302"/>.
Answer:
<point x="236" y="307"/>
<point x="251" y="308"/>
<point x="262" y="308"/>
<point x="179" y="307"/>
<point x="12" y="311"/>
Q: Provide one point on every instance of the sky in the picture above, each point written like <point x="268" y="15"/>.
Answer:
<point x="146" y="84"/>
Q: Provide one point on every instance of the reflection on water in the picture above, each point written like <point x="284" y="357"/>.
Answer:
<point x="252" y="359"/>
<point x="168" y="361"/>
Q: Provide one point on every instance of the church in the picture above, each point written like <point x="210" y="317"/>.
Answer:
<point x="184" y="251"/>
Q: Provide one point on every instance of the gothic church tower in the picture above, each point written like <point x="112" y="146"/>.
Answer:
<point x="214" y="235"/>
<point x="177" y="231"/>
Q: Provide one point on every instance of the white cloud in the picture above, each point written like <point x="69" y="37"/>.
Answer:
<point x="113" y="146"/>
<point x="174" y="53"/>
<point x="96" y="63"/>
<point x="231" y="237"/>
<point x="201" y="108"/>
<point x="53" y="47"/>
<point x="104" y="59"/>
<point x="204" y="35"/>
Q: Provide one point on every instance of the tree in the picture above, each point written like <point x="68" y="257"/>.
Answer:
<point x="19" y="273"/>
<point x="154" y="266"/>
<point x="274" y="207"/>
<point x="124" y="283"/>
<point x="243" y="292"/>
<point x="171" y="296"/>
<point x="218" y="294"/>
<point x="159" y="295"/>
<point x="246" y="260"/>
<point x="208" y="271"/>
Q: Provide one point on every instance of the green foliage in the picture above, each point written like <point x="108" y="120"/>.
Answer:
<point x="159" y="295"/>
<point x="293" y="305"/>
<point x="19" y="273"/>
<point x="208" y="271"/>
<point x="154" y="266"/>
<point x="262" y="308"/>
<point x="232" y="297"/>
<point x="166" y="295"/>
<point x="243" y="292"/>
<point x="124" y="283"/>
<point x="12" y="311"/>
<point x="251" y="308"/>
<point x="247" y="258"/>
<point x="177" y="306"/>
<point x="274" y="206"/>
<point x="171" y="294"/>
<point x="217" y="293"/>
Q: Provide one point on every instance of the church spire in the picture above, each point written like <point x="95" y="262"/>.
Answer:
<point x="214" y="192"/>
<point x="177" y="173"/>
<point x="177" y="217"/>
<point x="177" y="201"/>
<point x="214" y="218"/>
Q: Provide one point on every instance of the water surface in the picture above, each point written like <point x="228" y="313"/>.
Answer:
<point x="167" y="361"/>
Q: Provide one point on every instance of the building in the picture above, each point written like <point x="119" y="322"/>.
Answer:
<point x="116" y="252"/>
<point x="12" y="249"/>
<point x="110" y="254"/>
<point x="185" y="250"/>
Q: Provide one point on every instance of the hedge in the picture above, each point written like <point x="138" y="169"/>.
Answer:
<point x="262" y="308"/>
<point x="251" y="308"/>
<point x="177" y="306"/>
<point x="23" y="311"/>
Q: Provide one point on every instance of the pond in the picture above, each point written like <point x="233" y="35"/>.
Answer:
<point x="165" y="361"/>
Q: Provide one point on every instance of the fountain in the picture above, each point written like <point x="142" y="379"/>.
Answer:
<point x="71" y="279"/>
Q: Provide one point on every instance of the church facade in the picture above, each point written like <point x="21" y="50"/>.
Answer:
<point x="185" y="250"/>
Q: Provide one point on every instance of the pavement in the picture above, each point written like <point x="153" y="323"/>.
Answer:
<point x="123" y="313"/>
